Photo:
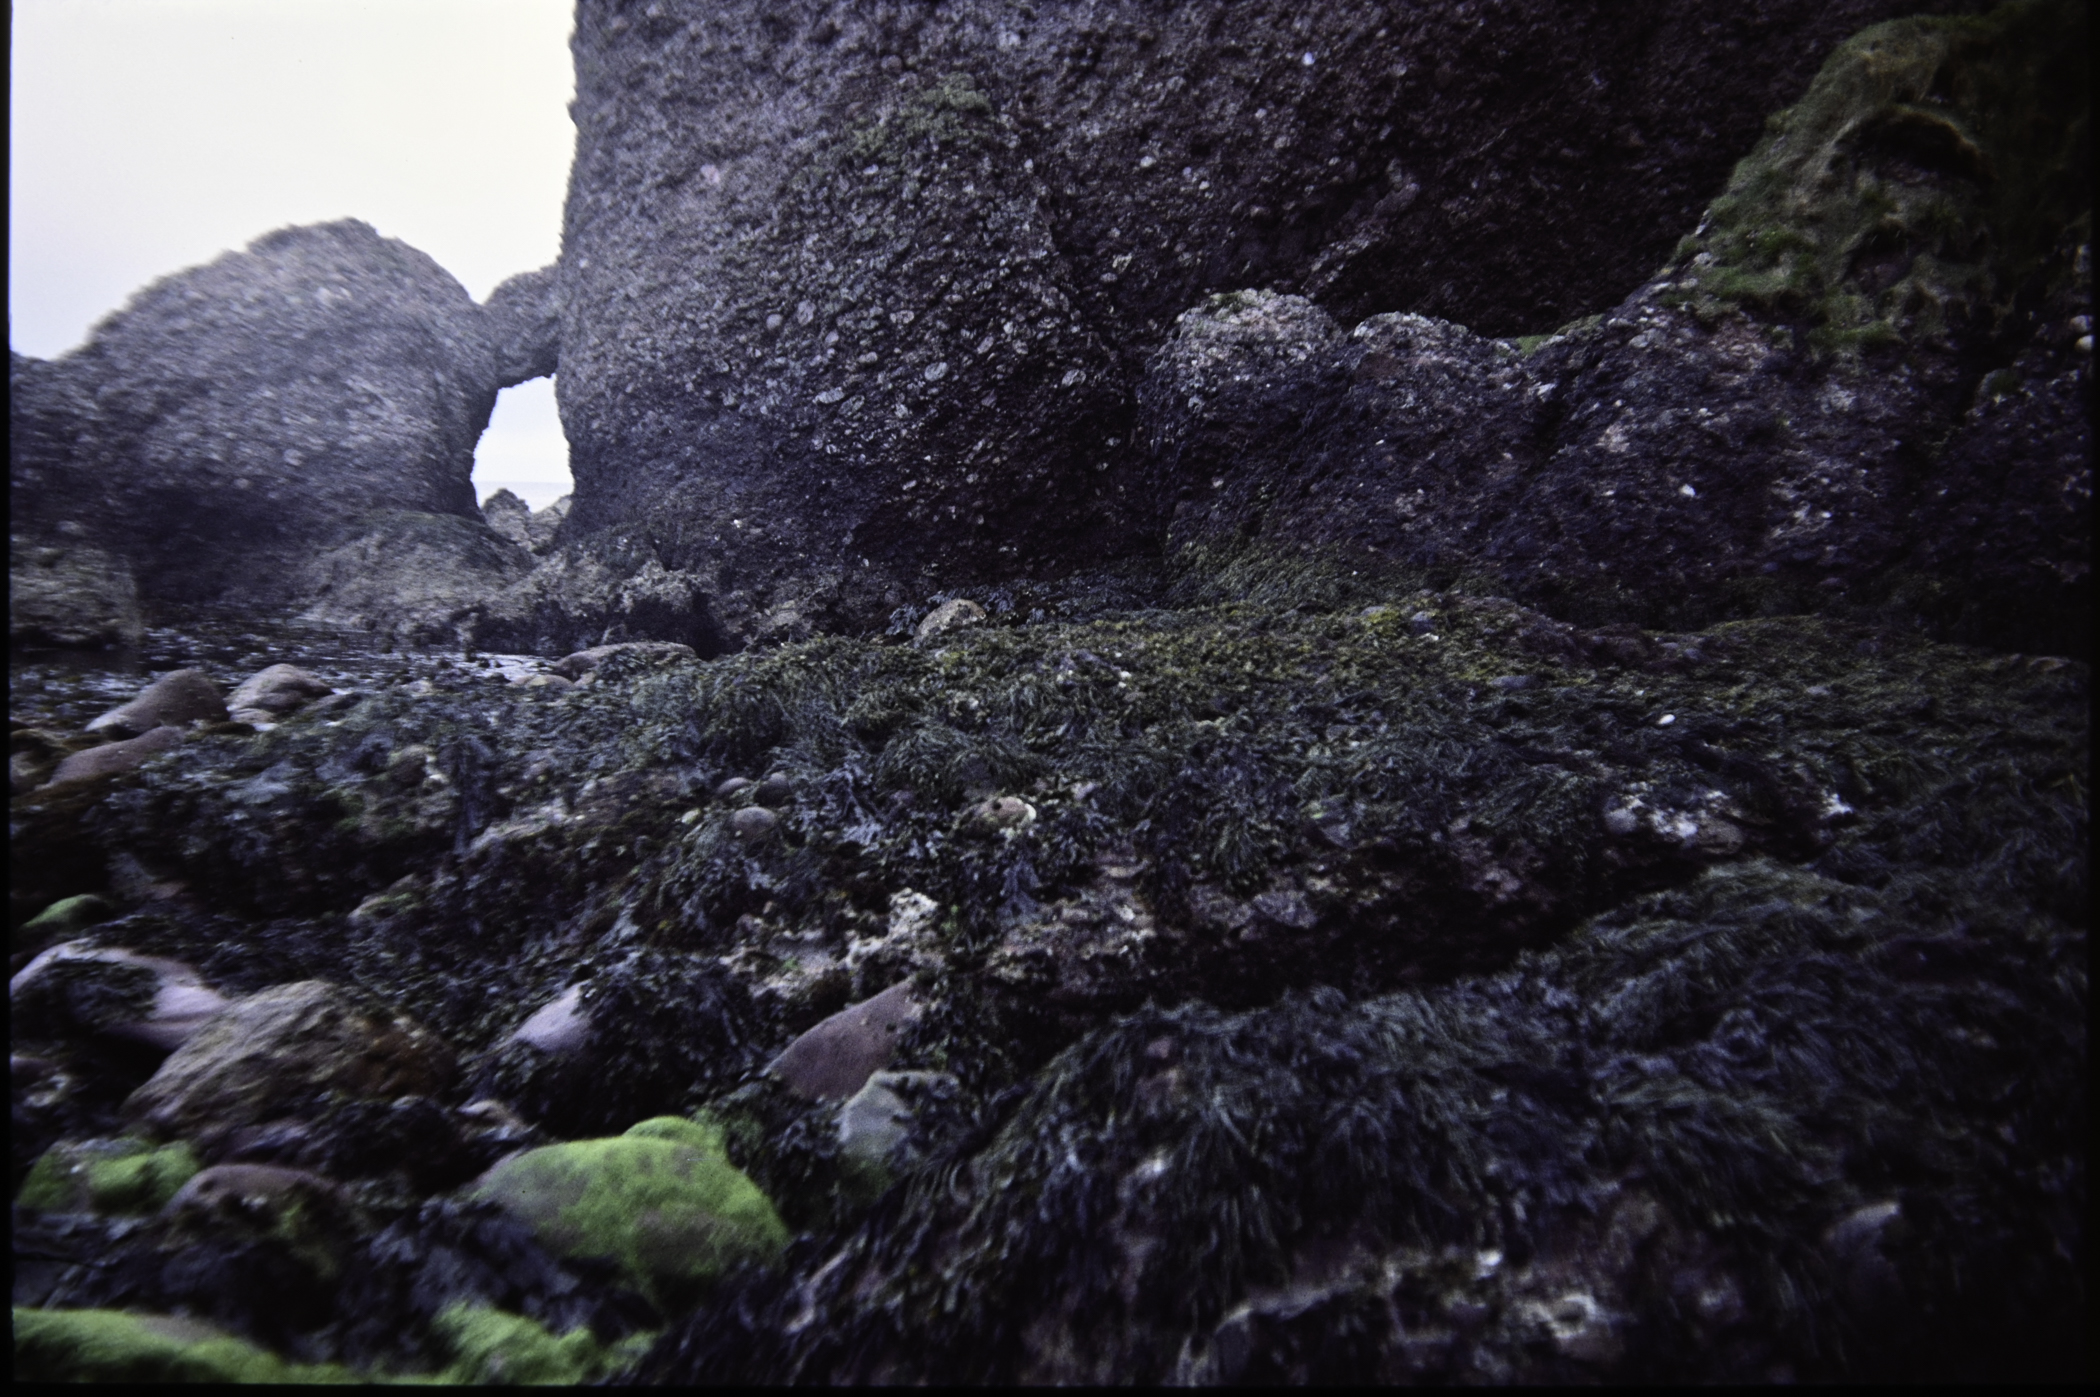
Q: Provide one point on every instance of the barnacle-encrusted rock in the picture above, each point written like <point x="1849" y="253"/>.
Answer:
<point x="1786" y="417"/>
<point x="235" y="416"/>
<point x="107" y="989"/>
<point x="910" y="259"/>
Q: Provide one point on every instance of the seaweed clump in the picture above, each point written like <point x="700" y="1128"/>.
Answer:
<point x="1714" y="1133"/>
<point x="1612" y="1002"/>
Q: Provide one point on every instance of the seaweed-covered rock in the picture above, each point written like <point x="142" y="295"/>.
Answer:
<point x="1656" y="888"/>
<point x="278" y="1044"/>
<point x="2004" y="554"/>
<point x="1605" y="1160"/>
<point x="624" y="654"/>
<point x="83" y="987"/>
<point x="663" y="1200"/>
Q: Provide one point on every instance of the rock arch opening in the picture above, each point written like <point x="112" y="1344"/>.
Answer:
<point x="523" y="449"/>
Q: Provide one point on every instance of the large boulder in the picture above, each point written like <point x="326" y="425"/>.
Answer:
<point x="69" y="593"/>
<point x="233" y="416"/>
<point x="1856" y="385"/>
<point x="183" y="696"/>
<point x="851" y="299"/>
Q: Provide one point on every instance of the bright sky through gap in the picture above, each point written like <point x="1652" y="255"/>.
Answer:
<point x="146" y="136"/>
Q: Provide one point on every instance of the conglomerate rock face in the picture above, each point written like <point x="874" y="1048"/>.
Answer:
<point x="855" y="295"/>
<point x="236" y="415"/>
<point x="1852" y="387"/>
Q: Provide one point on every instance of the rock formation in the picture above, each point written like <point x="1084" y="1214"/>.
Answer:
<point x="235" y="418"/>
<point x="1788" y="417"/>
<point x="1142" y="771"/>
<point x="854" y="299"/>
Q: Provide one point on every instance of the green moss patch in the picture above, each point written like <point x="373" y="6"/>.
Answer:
<point x="111" y="1346"/>
<point x="494" y="1347"/>
<point x="107" y="1176"/>
<point x="1930" y="168"/>
<point x="663" y="1200"/>
<point x="950" y="113"/>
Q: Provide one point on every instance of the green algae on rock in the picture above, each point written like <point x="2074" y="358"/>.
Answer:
<point x="495" y="1347"/>
<point x="663" y="1200"/>
<point x="113" y="1346"/>
<point x="115" y="1176"/>
<point x="1923" y="178"/>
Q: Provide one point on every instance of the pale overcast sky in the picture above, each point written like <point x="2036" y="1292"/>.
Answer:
<point x="151" y="135"/>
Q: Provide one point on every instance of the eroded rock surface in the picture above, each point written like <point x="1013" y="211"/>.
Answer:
<point x="1792" y="415"/>
<point x="920" y="255"/>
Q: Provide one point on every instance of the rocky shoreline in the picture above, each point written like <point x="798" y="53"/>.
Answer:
<point x="1058" y="811"/>
<point x="1636" y="933"/>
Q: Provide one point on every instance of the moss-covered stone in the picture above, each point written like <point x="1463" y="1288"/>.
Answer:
<point x="1922" y="179"/>
<point x="663" y="1201"/>
<point x="111" y="1176"/>
<point x="68" y="916"/>
<point x="494" y="1347"/>
<point x="112" y="1346"/>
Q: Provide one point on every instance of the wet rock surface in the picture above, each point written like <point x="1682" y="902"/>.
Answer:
<point x="70" y="593"/>
<point x="1789" y="416"/>
<point x="173" y="700"/>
